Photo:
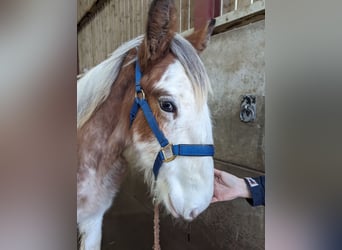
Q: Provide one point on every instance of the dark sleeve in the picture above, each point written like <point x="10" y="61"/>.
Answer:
<point x="256" y="186"/>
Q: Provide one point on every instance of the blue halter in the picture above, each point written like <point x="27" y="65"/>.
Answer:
<point x="168" y="152"/>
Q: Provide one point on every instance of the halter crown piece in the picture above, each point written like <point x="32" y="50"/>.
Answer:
<point x="168" y="151"/>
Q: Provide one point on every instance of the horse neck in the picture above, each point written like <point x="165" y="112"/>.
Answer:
<point x="103" y="138"/>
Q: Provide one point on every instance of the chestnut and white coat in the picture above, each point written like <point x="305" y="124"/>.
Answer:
<point x="176" y="87"/>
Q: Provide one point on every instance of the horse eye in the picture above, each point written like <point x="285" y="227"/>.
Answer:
<point x="167" y="106"/>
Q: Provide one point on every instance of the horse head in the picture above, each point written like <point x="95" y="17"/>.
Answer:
<point x="176" y="87"/>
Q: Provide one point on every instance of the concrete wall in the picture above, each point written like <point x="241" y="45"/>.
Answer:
<point x="236" y="65"/>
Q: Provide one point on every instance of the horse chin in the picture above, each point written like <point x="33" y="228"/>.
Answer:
<point x="171" y="208"/>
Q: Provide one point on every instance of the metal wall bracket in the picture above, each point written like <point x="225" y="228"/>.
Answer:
<point x="248" y="108"/>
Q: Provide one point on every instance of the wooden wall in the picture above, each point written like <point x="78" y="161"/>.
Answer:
<point x="117" y="22"/>
<point x="101" y="30"/>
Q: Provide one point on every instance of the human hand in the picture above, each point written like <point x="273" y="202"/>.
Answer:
<point x="228" y="187"/>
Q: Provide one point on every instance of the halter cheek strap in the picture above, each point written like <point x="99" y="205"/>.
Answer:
<point x="168" y="152"/>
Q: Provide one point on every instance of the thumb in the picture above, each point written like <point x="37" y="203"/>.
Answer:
<point x="214" y="199"/>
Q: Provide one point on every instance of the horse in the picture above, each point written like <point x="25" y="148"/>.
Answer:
<point x="163" y="70"/>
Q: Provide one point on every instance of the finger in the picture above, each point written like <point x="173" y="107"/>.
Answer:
<point x="217" y="172"/>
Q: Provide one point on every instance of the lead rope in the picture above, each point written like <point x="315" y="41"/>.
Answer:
<point x="156" y="227"/>
<point x="156" y="230"/>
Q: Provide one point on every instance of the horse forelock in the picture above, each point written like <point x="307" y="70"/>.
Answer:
<point x="193" y="65"/>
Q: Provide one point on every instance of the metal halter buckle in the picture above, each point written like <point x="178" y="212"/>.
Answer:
<point x="140" y="94"/>
<point x="168" y="153"/>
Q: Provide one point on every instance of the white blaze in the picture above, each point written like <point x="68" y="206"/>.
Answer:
<point x="184" y="185"/>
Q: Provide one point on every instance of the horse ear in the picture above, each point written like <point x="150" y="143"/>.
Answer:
<point x="161" y="25"/>
<point x="200" y="38"/>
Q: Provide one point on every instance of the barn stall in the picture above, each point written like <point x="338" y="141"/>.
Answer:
<point x="235" y="63"/>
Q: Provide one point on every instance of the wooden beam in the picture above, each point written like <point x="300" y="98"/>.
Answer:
<point x="243" y="16"/>
<point x="237" y="18"/>
<point x="88" y="16"/>
<point x="82" y="7"/>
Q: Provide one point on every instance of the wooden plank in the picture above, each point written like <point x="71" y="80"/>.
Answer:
<point x="143" y="12"/>
<point x="139" y="20"/>
<point x="228" y="5"/>
<point x="243" y="4"/>
<point x="252" y="13"/>
<point x="143" y="20"/>
<point x="116" y="32"/>
<point x="184" y="15"/>
<point x="124" y="27"/>
<point x="85" y="44"/>
<point x="122" y="21"/>
<point x="110" y="19"/>
<point x="149" y="2"/>
<point x="133" y="19"/>
<point x="233" y="19"/>
<point x="98" y="39"/>
<point x="192" y="13"/>
<point x="128" y="21"/>
<point x="81" y="52"/>
<point x="89" y="55"/>
<point x="111" y="24"/>
<point x="93" y="39"/>
<point x="179" y="13"/>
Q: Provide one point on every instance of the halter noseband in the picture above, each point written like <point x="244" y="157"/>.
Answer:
<point x="168" y="151"/>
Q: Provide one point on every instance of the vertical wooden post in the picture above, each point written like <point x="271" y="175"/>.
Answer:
<point x="205" y="10"/>
<point x="78" y="60"/>
<point x="217" y="8"/>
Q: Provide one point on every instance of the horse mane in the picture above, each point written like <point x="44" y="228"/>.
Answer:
<point x="94" y="87"/>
